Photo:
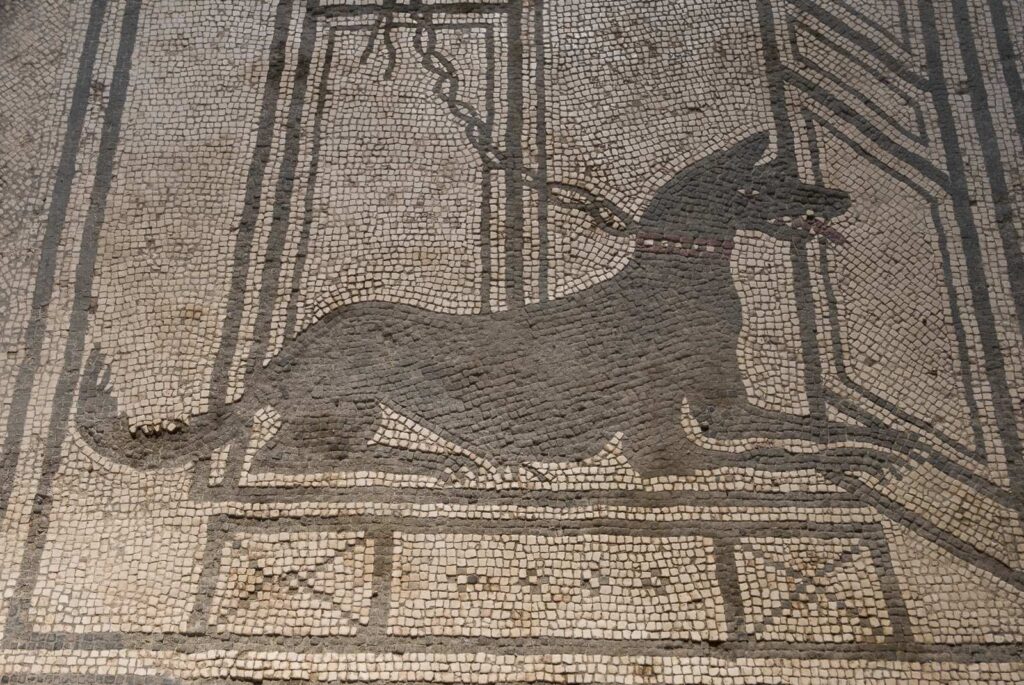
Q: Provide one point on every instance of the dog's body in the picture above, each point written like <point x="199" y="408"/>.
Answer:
<point x="548" y="381"/>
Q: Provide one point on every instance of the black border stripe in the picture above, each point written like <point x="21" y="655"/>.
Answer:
<point x="976" y="273"/>
<point x="73" y="351"/>
<point x="50" y="248"/>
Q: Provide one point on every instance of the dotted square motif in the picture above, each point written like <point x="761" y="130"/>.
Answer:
<point x="294" y="583"/>
<point x="811" y="590"/>
<point x="580" y="586"/>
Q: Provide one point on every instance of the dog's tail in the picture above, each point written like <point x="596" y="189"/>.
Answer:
<point x="175" y="441"/>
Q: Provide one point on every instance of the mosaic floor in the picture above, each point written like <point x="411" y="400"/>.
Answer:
<point x="527" y="341"/>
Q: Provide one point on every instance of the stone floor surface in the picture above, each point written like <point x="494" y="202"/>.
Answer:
<point x="526" y="341"/>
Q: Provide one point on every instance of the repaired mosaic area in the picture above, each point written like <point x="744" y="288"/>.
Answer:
<point x="522" y="341"/>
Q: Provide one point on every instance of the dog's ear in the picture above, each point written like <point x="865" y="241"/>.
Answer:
<point x="732" y="163"/>
<point x="703" y="187"/>
<point x="750" y="150"/>
<point x="744" y="156"/>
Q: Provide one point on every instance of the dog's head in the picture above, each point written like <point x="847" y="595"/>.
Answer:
<point x="732" y="190"/>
